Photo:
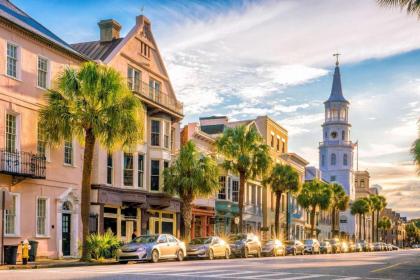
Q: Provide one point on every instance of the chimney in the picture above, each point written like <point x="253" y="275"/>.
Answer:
<point x="110" y="30"/>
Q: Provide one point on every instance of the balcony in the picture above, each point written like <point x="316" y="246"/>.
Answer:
<point x="159" y="98"/>
<point x="336" y="142"/>
<point x="22" y="164"/>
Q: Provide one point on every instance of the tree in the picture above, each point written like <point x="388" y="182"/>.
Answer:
<point x="244" y="154"/>
<point x="411" y="6"/>
<point x="384" y="224"/>
<point x="339" y="202"/>
<point x="370" y="209"/>
<point x="413" y="232"/>
<point x="191" y="175"/>
<point x="283" y="179"/>
<point x="359" y="207"/>
<point x="313" y="196"/>
<point x="378" y="204"/>
<point x="415" y="149"/>
<point x="92" y="104"/>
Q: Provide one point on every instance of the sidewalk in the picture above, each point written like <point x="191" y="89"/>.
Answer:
<point x="49" y="263"/>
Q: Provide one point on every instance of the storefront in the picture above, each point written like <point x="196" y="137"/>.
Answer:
<point x="203" y="222"/>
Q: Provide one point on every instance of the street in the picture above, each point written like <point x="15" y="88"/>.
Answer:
<point x="403" y="264"/>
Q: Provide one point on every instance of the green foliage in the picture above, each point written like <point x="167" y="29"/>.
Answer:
<point x="360" y="207"/>
<point x="415" y="149"/>
<point x="283" y="178"/>
<point x="411" y="6"/>
<point x="339" y="198"/>
<point x="384" y="223"/>
<point x="315" y="194"/>
<point x="102" y="246"/>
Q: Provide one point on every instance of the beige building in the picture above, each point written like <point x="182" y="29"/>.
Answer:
<point x="127" y="192"/>
<point x="361" y="184"/>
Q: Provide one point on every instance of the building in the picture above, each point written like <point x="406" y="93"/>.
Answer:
<point x="336" y="149"/>
<point x="127" y="192"/>
<point x="396" y="235"/>
<point x="44" y="182"/>
<point x="361" y="184"/>
<point x="203" y="212"/>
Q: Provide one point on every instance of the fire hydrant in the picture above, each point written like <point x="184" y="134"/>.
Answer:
<point x="25" y="251"/>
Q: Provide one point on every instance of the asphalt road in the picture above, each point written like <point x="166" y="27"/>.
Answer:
<point x="403" y="264"/>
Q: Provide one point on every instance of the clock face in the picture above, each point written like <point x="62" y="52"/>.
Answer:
<point x="333" y="135"/>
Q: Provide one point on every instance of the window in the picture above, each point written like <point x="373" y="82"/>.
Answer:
<point x="41" y="216"/>
<point x="109" y="169"/>
<point x="154" y="90"/>
<point x="10" y="221"/>
<point x="145" y="50"/>
<point x="253" y="194"/>
<point x="68" y="152"/>
<point x="166" y="134"/>
<point x="12" y="60"/>
<point x="362" y="183"/>
<point x="133" y="79"/>
<point x="235" y="191"/>
<point x="10" y="133"/>
<point x="272" y="141"/>
<point x="333" y="159"/>
<point x="345" y="160"/>
<point x="172" y="138"/>
<point x="259" y="201"/>
<point x="128" y="169"/>
<point x="278" y="144"/>
<point x="155" y="172"/>
<point x="140" y="172"/>
<point x="343" y="135"/>
<point x="323" y="160"/>
<point x="222" y="190"/>
<point x="155" y="133"/>
<point x="283" y="148"/>
<point x="41" y="146"/>
<point x="332" y="179"/>
<point x="42" y="72"/>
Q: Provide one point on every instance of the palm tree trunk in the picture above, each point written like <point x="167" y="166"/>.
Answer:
<point x="186" y="210"/>
<point x="313" y="222"/>
<point x="287" y="216"/>
<point x="377" y="228"/>
<point x="86" y="175"/>
<point x="277" y="214"/>
<point x="241" y="200"/>
<point x="373" y="226"/>
<point x="364" y="227"/>
<point x="333" y="222"/>
<point x="360" y="226"/>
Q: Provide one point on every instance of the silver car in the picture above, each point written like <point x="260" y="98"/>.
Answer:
<point x="208" y="247"/>
<point x="152" y="248"/>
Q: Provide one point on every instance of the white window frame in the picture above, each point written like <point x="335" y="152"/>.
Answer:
<point x="130" y="80"/>
<point x="132" y="170"/>
<point x="47" y="147"/>
<point x="17" y="127"/>
<point x="47" y="76"/>
<point x="237" y="191"/>
<point x="112" y="168"/>
<point x="160" y="179"/>
<point x="141" y="184"/>
<point x="47" y="216"/>
<point x="18" y="60"/>
<point x="72" y="153"/>
<point x="167" y="135"/>
<point x="220" y="188"/>
<point x="160" y="132"/>
<point x="17" y="218"/>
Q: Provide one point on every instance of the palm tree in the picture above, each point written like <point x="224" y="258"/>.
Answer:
<point x="415" y="149"/>
<point x="379" y="209"/>
<point x="384" y="224"/>
<point x="94" y="105"/>
<point x="339" y="202"/>
<point x="370" y="209"/>
<point x="378" y="204"/>
<point x="246" y="155"/>
<point x="190" y="176"/>
<point x="359" y="207"/>
<point x="313" y="196"/>
<point x="283" y="179"/>
<point x="412" y="6"/>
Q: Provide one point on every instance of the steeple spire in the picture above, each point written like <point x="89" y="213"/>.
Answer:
<point x="336" y="90"/>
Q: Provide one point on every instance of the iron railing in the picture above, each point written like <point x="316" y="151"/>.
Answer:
<point x="335" y="142"/>
<point x="22" y="164"/>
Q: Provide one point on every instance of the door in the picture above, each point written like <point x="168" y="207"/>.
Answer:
<point x="163" y="245"/>
<point x="66" y="236"/>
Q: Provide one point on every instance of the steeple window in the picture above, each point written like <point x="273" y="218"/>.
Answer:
<point x="333" y="159"/>
<point x="343" y="135"/>
<point x="345" y="160"/>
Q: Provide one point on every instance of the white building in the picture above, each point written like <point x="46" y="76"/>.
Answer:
<point x="336" y="150"/>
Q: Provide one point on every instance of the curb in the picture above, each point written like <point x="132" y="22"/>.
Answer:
<point x="54" y="265"/>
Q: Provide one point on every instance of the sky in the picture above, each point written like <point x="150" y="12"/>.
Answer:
<point x="249" y="58"/>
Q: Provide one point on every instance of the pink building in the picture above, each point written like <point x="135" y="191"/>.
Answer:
<point x="44" y="181"/>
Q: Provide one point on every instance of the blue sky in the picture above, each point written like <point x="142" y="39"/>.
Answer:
<point x="249" y="58"/>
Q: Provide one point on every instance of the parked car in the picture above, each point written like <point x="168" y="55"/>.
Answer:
<point x="352" y="247"/>
<point x="273" y="248"/>
<point x="415" y="246"/>
<point x="311" y="246"/>
<point x="208" y="247"/>
<point x="394" y="248"/>
<point x="378" y="246"/>
<point x="325" y="247"/>
<point x="344" y="247"/>
<point x="243" y="245"/>
<point x="336" y="245"/>
<point x="365" y="246"/>
<point x="152" y="248"/>
<point x="358" y="247"/>
<point x="389" y="247"/>
<point x="295" y="247"/>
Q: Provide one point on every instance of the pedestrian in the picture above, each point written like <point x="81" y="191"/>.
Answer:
<point x="134" y="235"/>
<point x="25" y="251"/>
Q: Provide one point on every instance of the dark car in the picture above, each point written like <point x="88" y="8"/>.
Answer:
<point x="295" y="247"/>
<point x="208" y="247"/>
<point x="273" y="248"/>
<point x="325" y="247"/>
<point x="312" y="246"/>
<point x="366" y="247"/>
<point x="336" y="245"/>
<point x="244" y="245"/>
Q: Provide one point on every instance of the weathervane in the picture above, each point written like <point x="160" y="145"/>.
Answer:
<point x="336" y="56"/>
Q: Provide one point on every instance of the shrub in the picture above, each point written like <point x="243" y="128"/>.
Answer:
<point x="101" y="246"/>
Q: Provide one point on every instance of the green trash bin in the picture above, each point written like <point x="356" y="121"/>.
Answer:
<point x="10" y="254"/>
<point x="33" y="250"/>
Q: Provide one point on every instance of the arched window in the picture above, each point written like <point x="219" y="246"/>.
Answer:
<point x="343" y="135"/>
<point x="333" y="159"/>
<point x="345" y="160"/>
<point x="67" y="206"/>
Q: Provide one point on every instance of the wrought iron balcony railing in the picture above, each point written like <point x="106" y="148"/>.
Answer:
<point x="22" y="164"/>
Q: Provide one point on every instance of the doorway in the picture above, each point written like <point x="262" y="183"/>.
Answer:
<point x="66" y="233"/>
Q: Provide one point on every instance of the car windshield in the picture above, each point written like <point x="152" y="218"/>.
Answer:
<point x="145" y="239"/>
<point x="324" y="243"/>
<point x="332" y="241"/>
<point x="200" y="241"/>
<point x="290" y="242"/>
<point x="309" y="241"/>
<point x="237" y="237"/>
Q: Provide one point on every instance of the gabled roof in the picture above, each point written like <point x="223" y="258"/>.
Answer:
<point x="336" y="90"/>
<point x="12" y="13"/>
<point x="97" y="50"/>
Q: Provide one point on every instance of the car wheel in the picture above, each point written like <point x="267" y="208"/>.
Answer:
<point x="246" y="252"/>
<point x="211" y="254"/>
<point x="180" y="256"/>
<point x="155" y="256"/>
<point x="227" y="255"/>
<point x="123" y="262"/>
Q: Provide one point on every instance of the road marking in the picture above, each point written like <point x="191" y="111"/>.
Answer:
<point x="387" y="267"/>
<point x="348" y="278"/>
<point x="222" y="275"/>
<point x="266" y="275"/>
<point x="304" y="277"/>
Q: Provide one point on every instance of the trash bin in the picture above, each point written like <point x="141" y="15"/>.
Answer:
<point x="33" y="250"/>
<point x="10" y="254"/>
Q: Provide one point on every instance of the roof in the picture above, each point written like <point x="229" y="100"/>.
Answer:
<point x="336" y="90"/>
<point x="97" y="50"/>
<point x="12" y="13"/>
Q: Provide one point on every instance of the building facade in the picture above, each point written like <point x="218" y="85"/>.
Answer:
<point x="44" y="182"/>
<point x="361" y="184"/>
<point x="127" y="191"/>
